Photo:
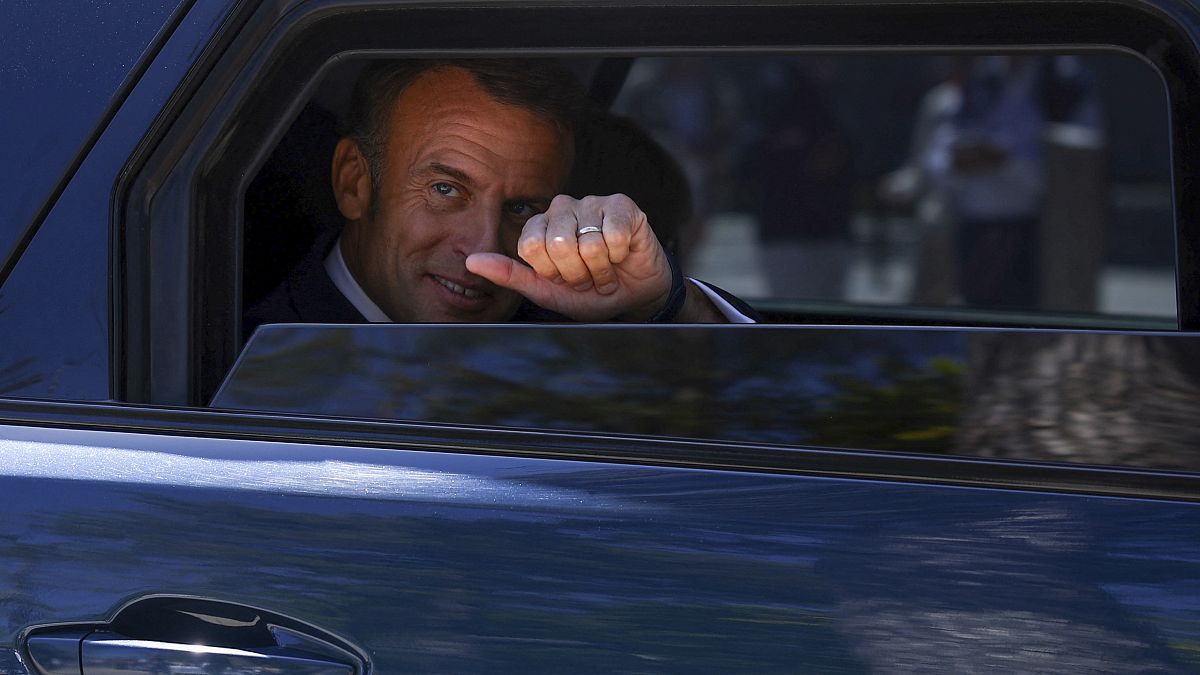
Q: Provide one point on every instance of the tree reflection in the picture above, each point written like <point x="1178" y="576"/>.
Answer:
<point x="910" y="408"/>
<point x="695" y="383"/>
<point x="1103" y="399"/>
<point x="1096" y="398"/>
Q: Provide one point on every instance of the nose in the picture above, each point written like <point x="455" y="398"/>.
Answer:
<point x="479" y="231"/>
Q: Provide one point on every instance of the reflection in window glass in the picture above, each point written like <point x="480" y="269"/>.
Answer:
<point x="1061" y="396"/>
<point x="1014" y="182"/>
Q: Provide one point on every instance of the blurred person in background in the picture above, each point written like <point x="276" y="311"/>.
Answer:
<point x="797" y="181"/>
<point x="986" y="161"/>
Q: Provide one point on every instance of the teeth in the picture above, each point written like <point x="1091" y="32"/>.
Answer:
<point x="469" y="292"/>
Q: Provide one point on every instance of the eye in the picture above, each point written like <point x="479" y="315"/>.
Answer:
<point x="522" y="209"/>
<point x="445" y="189"/>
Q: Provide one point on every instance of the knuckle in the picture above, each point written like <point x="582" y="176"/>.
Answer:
<point x="561" y="202"/>
<point x="621" y="200"/>
<point x="529" y="247"/>
<point x="592" y="248"/>
<point x="559" y="247"/>
<point x="617" y="237"/>
<point x="573" y="276"/>
<point x="535" y="224"/>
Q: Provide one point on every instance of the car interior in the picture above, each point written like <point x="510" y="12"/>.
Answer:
<point x="736" y="158"/>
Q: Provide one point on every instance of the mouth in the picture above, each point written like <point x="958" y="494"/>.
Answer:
<point x="458" y="289"/>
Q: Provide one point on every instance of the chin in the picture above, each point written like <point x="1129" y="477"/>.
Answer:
<point x="458" y="315"/>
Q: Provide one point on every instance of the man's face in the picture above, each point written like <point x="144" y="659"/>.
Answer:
<point x="462" y="173"/>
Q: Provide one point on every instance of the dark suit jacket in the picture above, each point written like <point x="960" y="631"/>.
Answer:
<point x="308" y="295"/>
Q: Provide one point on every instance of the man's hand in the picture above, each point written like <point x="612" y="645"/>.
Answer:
<point x="591" y="259"/>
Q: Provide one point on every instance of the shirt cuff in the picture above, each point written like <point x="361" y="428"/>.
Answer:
<point x="727" y="310"/>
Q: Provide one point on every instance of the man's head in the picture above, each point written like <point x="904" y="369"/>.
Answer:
<point x="443" y="159"/>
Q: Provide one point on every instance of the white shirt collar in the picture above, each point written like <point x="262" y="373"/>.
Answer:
<point x="335" y="266"/>
<point x="727" y="310"/>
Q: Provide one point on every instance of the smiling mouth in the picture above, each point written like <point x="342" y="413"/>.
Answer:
<point x="460" y="290"/>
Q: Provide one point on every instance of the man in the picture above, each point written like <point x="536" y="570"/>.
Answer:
<point x="450" y="173"/>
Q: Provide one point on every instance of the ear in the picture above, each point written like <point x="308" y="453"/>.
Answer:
<point x="351" y="180"/>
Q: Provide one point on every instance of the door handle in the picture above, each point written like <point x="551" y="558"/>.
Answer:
<point x="107" y="653"/>
<point x="195" y="636"/>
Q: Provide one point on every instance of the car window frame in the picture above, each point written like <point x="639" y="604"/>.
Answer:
<point x="268" y="71"/>
<point x="135" y="305"/>
<point x="222" y="76"/>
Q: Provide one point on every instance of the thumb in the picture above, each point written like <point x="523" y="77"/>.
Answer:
<point x="504" y="271"/>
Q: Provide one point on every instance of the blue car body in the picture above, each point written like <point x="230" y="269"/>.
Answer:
<point x="298" y="529"/>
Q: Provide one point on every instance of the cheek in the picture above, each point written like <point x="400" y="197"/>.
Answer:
<point x="412" y="227"/>
<point x="378" y="257"/>
<point x="426" y="234"/>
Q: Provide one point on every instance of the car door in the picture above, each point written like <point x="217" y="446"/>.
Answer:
<point x="450" y="547"/>
<point x="412" y="498"/>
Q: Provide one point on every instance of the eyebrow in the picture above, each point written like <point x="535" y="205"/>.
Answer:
<point x="446" y="170"/>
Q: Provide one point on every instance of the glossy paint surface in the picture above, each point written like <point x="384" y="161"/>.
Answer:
<point x="438" y="562"/>
<point x="63" y="63"/>
<point x="449" y="563"/>
<point x="54" y="308"/>
<point x="1088" y="397"/>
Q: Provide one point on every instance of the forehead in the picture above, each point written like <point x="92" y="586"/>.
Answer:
<point x="446" y="110"/>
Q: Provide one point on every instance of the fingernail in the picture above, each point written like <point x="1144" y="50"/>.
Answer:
<point x="607" y="288"/>
<point x="584" y="286"/>
<point x="557" y="280"/>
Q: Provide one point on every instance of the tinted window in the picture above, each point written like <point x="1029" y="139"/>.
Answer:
<point x="60" y="65"/>
<point x="969" y="190"/>
<point x="1074" y="397"/>
<point x="1032" y="184"/>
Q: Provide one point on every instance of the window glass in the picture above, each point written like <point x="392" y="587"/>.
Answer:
<point x="60" y="65"/>
<point x="1085" y="397"/>
<point x="1030" y="183"/>
<point x="901" y="188"/>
